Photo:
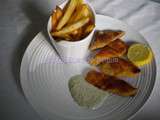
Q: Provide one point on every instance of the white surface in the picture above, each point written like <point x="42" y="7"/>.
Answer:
<point x="44" y="79"/>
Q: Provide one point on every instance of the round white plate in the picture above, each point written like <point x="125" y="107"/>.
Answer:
<point x="44" y="79"/>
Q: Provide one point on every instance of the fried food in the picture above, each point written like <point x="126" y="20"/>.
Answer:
<point x="119" y="67"/>
<point x="67" y="14"/>
<point x="65" y="37"/>
<point x="89" y="28"/>
<point x="110" y="84"/>
<point x="103" y="38"/>
<point x="76" y="34"/>
<point x="54" y="21"/>
<point x="80" y="12"/>
<point x="80" y="1"/>
<point x="104" y="54"/>
<point x="56" y="15"/>
<point x="119" y="46"/>
<point x="68" y="29"/>
<point x="74" y="22"/>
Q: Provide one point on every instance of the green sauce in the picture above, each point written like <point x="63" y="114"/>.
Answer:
<point x="85" y="94"/>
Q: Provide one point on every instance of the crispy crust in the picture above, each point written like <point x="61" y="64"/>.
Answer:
<point x="119" y="46"/>
<point x="104" y="54"/>
<point x="120" y="68"/>
<point x="110" y="84"/>
<point x="103" y="38"/>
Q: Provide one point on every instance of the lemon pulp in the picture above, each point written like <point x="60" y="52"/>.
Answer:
<point x="139" y="54"/>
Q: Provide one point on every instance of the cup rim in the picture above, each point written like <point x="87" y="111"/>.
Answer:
<point x="72" y="42"/>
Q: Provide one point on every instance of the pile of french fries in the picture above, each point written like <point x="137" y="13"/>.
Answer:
<point x="72" y="23"/>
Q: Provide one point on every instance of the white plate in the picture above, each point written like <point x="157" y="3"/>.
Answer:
<point x="44" y="79"/>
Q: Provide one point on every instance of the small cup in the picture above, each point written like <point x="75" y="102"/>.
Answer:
<point x="72" y="49"/>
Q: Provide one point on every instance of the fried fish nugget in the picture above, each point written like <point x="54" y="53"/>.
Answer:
<point x="103" y="38"/>
<point x="104" y="54"/>
<point x="110" y="84"/>
<point x="119" y="46"/>
<point x="119" y="67"/>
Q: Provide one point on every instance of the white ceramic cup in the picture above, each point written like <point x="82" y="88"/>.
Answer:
<point x="71" y="50"/>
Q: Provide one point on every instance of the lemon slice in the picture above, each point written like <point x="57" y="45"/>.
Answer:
<point x="139" y="54"/>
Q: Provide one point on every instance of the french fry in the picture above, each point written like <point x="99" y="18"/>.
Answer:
<point x="91" y="15"/>
<point x="89" y="28"/>
<point x="81" y="11"/>
<point x="54" y="20"/>
<point x="77" y="34"/>
<point x="68" y="29"/>
<point x="63" y="37"/>
<point x="86" y="10"/>
<point x="69" y="10"/>
<point x="74" y="22"/>
<point x="80" y="1"/>
<point x="66" y="37"/>
<point x="57" y="14"/>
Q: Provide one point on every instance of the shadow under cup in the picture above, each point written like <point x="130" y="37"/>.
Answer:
<point x="72" y="50"/>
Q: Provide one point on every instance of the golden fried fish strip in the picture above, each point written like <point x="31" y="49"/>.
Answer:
<point x="119" y="67"/>
<point x="119" y="46"/>
<point x="103" y="38"/>
<point x="110" y="84"/>
<point x="104" y="54"/>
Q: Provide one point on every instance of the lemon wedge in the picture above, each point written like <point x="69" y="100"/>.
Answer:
<point x="139" y="54"/>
